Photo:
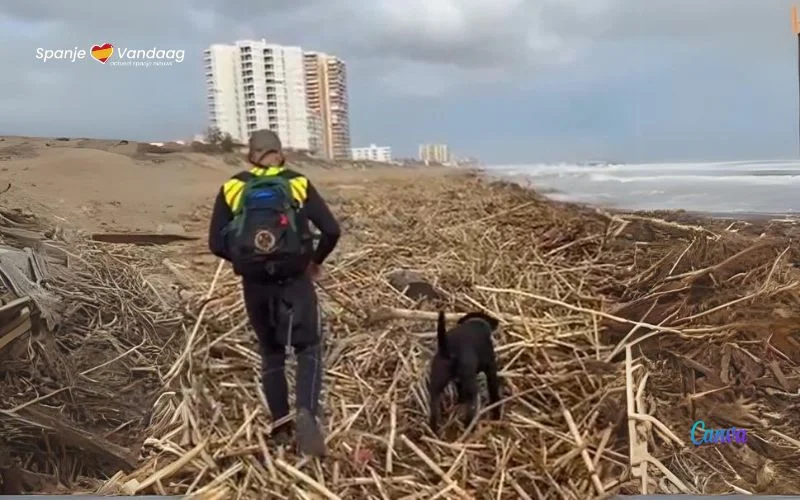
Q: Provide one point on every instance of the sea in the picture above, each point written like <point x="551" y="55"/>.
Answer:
<point x="770" y="187"/>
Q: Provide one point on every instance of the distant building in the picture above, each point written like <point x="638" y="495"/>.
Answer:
<point x="434" y="153"/>
<point x="326" y="89"/>
<point x="373" y="153"/>
<point x="256" y="85"/>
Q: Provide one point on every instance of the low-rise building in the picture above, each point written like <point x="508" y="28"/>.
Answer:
<point x="373" y="153"/>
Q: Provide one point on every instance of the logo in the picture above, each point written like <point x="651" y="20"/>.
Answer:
<point x="110" y="55"/>
<point x="264" y="241"/>
<point x="103" y="52"/>
<point x="717" y="436"/>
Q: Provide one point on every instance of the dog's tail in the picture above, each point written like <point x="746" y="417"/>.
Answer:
<point x="441" y="333"/>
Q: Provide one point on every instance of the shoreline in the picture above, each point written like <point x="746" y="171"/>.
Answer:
<point x="528" y="182"/>
<point x="698" y="217"/>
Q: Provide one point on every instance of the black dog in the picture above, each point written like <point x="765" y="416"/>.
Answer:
<point x="462" y="353"/>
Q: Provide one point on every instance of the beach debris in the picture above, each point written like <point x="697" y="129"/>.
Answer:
<point x="142" y="238"/>
<point x="77" y="339"/>
<point x="619" y="332"/>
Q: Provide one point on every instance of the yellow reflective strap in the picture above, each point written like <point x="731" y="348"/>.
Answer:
<point x="232" y="190"/>
<point x="299" y="188"/>
<point x="259" y="171"/>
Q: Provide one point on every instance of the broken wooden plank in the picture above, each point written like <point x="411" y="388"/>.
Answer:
<point x="24" y="236"/>
<point x="141" y="238"/>
<point x="14" y="305"/>
<point x="15" y="329"/>
<point x="73" y="436"/>
<point x="38" y="266"/>
<point x="17" y="274"/>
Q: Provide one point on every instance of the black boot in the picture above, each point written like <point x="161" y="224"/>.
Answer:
<point x="309" y="437"/>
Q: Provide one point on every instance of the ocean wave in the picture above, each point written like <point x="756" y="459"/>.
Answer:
<point x="725" y="187"/>
<point x="713" y="169"/>
<point x="736" y="179"/>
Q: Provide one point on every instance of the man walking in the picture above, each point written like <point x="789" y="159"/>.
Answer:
<point x="260" y="223"/>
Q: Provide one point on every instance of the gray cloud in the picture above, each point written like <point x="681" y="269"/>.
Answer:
<point x="503" y="37"/>
<point x="418" y="48"/>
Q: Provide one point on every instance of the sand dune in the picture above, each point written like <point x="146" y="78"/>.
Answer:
<point x="98" y="187"/>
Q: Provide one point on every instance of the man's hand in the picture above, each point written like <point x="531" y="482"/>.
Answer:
<point x="314" y="270"/>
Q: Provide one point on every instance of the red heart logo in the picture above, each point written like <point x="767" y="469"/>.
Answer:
<point x="102" y="52"/>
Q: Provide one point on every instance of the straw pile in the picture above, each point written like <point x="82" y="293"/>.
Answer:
<point x="618" y="333"/>
<point x="76" y="391"/>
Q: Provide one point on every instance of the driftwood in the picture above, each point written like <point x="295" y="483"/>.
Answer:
<point x="555" y="275"/>
<point x="23" y="273"/>
<point x="141" y="238"/>
<point x="552" y="273"/>
<point x="91" y="359"/>
<point x="12" y="329"/>
<point x="70" y="435"/>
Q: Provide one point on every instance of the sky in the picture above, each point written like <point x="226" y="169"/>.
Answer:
<point x="508" y="81"/>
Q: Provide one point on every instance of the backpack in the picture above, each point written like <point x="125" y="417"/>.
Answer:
<point x="268" y="236"/>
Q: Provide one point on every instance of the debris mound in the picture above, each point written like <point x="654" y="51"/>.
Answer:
<point x="619" y="331"/>
<point x="81" y="336"/>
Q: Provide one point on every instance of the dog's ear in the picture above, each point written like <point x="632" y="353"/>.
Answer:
<point x="493" y="322"/>
<point x="441" y="334"/>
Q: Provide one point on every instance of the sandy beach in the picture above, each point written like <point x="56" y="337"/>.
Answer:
<point x="619" y="332"/>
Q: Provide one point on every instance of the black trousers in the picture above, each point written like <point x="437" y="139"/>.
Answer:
<point x="287" y="315"/>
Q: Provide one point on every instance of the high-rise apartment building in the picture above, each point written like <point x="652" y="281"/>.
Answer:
<point x="222" y="85"/>
<point x="434" y="153"/>
<point x="326" y="89"/>
<point x="255" y="85"/>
